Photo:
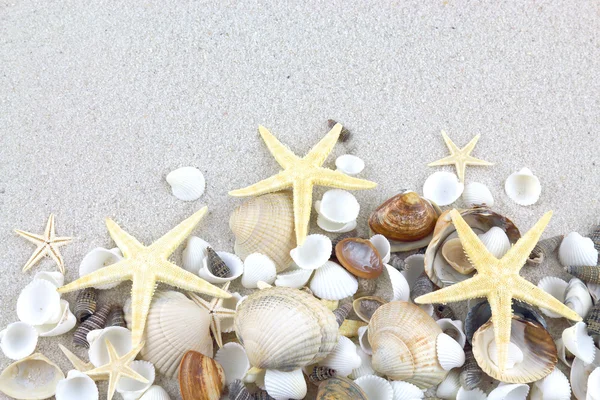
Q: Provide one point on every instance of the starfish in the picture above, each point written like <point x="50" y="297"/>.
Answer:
<point x="47" y="245"/>
<point x="117" y="368"/>
<point x="301" y="174"/>
<point x="145" y="266"/>
<point x="216" y="312"/>
<point x="77" y="362"/>
<point x="499" y="281"/>
<point x="460" y="157"/>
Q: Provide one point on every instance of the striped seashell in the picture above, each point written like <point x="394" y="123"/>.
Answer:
<point x="543" y="249"/>
<point x="587" y="274"/>
<point x="471" y="373"/>
<point x="342" y="312"/>
<point x="351" y="234"/>
<point x="262" y="395"/>
<point x="238" y="391"/>
<point x="366" y="287"/>
<point x="216" y="265"/>
<point x="422" y="286"/>
<point x="85" y="305"/>
<point x="595" y="236"/>
<point x="593" y="320"/>
<point x="321" y="374"/>
<point x="96" y="321"/>
<point x="116" y="317"/>
<point x="444" y="311"/>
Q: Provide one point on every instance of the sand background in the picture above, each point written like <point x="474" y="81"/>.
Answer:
<point x="99" y="100"/>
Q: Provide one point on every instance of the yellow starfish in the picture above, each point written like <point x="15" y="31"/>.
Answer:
<point x="117" y="368"/>
<point x="216" y="312"/>
<point x="499" y="281"/>
<point x="47" y="245"/>
<point x="146" y="266"/>
<point x="77" y="362"/>
<point x="302" y="174"/>
<point x="460" y="157"/>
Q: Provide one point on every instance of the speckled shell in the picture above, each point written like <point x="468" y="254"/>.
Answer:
<point x="265" y="224"/>
<point x="285" y="329"/>
<point x="338" y="388"/>
<point x="589" y="274"/>
<point x="200" y="377"/>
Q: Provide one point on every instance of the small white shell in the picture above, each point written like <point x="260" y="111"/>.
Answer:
<point x="313" y="253"/>
<point x="593" y="386"/>
<point x="66" y="322"/>
<point x="477" y="194"/>
<point x="258" y="267"/>
<point x="232" y="357"/>
<point x="344" y="358"/>
<point x="475" y="394"/>
<point x="414" y="266"/>
<point x="375" y="387"/>
<point x="455" y="327"/>
<point x="496" y="241"/>
<point x="406" y="391"/>
<point x="580" y="372"/>
<point x="18" y="340"/>
<point x="577" y="251"/>
<point x="335" y="227"/>
<point x="449" y="352"/>
<point x="187" y="183"/>
<point x="194" y="254"/>
<point x="363" y="340"/>
<point x="578" y="342"/>
<point x="577" y="297"/>
<point x="555" y="287"/>
<point x="99" y="258"/>
<point x="400" y="288"/>
<point x="285" y="385"/>
<point x="365" y="368"/>
<point x="155" y="393"/>
<point x="564" y="355"/>
<point x="130" y="389"/>
<point x="39" y="303"/>
<point x="118" y="336"/>
<point x="339" y="206"/>
<point x="555" y="386"/>
<point x="293" y="277"/>
<point x="349" y="164"/>
<point x="54" y="277"/>
<point x="333" y="282"/>
<point x="383" y="247"/>
<point x="235" y="264"/>
<point x="449" y="386"/>
<point x="523" y="187"/>
<point x="443" y="188"/>
<point x="76" y="386"/>
<point x="512" y="391"/>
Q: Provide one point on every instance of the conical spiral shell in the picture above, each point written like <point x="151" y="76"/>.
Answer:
<point x="85" y="305"/>
<point x="593" y="320"/>
<point x="595" y="236"/>
<point x="587" y="274"/>
<point x="96" y="321"/>
<point x="116" y="317"/>
<point x="285" y="329"/>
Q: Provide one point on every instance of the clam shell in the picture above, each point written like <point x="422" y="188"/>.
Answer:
<point x="332" y="282"/>
<point x="335" y="227"/>
<point x="359" y="257"/>
<point x="200" y="377"/>
<point x="365" y="367"/>
<point x="155" y="393"/>
<point x="443" y="188"/>
<point x="364" y="307"/>
<point x="285" y="385"/>
<point x="187" y="183"/>
<point x="338" y="388"/>
<point x="578" y="298"/>
<point x="449" y="386"/>
<point x="383" y="247"/>
<point x="258" y="267"/>
<point x="66" y="322"/>
<point x="477" y="195"/>
<point x="344" y="358"/>
<point x="118" y="336"/>
<point x="194" y="254"/>
<point x="39" y="303"/>
<point x="34" y="377"/>
<point x="400" y="288"/>
<point x="406" y="391"/>
<point x="265" y="224"/>
<point x="76" y="386"/>
<point x="509" y="391"/>
<point x="233" y="262"/>
<point x="555" y="287"/>
<point x="475" y="394"/>
<point x="579" y="343"/>
<point x="375" y="387"/>
<point x="313" y="253"/>
<point x="338" y="206"/>
<point x="99" y="258"/>
<point x="234" y="361"/>
<point x="54" y="277"/>
<point x="554" y="387"/>
<point x="293" y="278"/>
<point x="523" y="187"/>
<point x="577" y="251"/>
<point x="18" y="340"/>
<point x="349" y="164"/>
<point x="94" y="322"/>
<point x="580" y="372"/>
<point x="455" y="255"/>
<point x="454" y="329"/>
<point x="449" y="352"/>
<point x="85" y="304"/>
<point x="130" y="389"/>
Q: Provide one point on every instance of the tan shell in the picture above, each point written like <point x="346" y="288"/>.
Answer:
<point x="265" y="224"/>
<point x="365" y="306"/>
<point x="34" y="377"/>
<point x="338" y="388"/>
<point x="285" y="329"/>
<point x="454" y="254"/>
<point x="403" y="338"/>
<point x="200" y="377"/>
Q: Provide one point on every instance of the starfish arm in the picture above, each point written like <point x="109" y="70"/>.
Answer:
<point x="450" y="160"/>
<point x="469" y="289"/>
<point x="130" y="373"/>
<point x="77" y="362"/>
<point x="449" y="143"/>
<point x="215" y="328"/>
<point x="501" y="306"/>
<point x="271" y="184"/>
<point x="112" y="385"/>
<point x="61" y="241"/>
<point x="49" y="232"/>
<point x="37" y="255"/>
<point x="32" y="237"/>
<point x="127" y="243"/>
<point x="57" y="257"/>
<point x="317" y="155"/>
<point x="302" y="206"/>
<point x="284" y="156"/>
<point x="200" y="302"/>
<point x="475" y="250"/>
<point x="476" y="161"/>
<point x="517" y="255"/>
<point x="531" y="294"/>
<point x="337" y="179"/>
<point x="174" y="275"/>
<point x="167" y="244"/>
<point x="142" y="290"/>
<point x="117" y="272"/>
<point x="471" y="145"/>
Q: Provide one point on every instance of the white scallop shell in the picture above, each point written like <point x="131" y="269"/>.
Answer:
<point x="194" y="254"/>
<point x="580" y="373"/>
<point x="232" y="357"/>
<point x="593" y="386"/>
<point x="285" y="385"/>
<point x="233" y="262"/>
<point x="400" y="288"/>
<point x="449" y="352"/>
<point x="406" y="391"/>
<point x="564" y="355"/>
<point x="477" y="194"/>
<point x="375" y="387"/>
<point x="523" y="187"/>
<point x="99" y="258"/>
<point x="344" y="358"/>
<point x="496" y="241"/>
<point x="446" y="324"/>
<point x="66" y="322"/>
<point x="475" y="394"/>
<point x="577" y="251"/>
<point x="555" y="287"/>
<point x="449" y="386"/>
<point x="363" y="340"/>
<point x="34" y="377"/>
<point x="383" y="247"/>
<point x="414" y="266"/>
<point x="258" y="267"/>
<point x="118" y="336"/>
<point x="509" y="391"/>
<point x="54" y="277"/>
<point x="313" y="253"/>
<point x="335" y="227"/>
<point x="349" y="164"/>
<point x="577" y="297"/>
<point x="365" y="367"/>
<point x="39" y="303"/>
<point x="555" y="386"/>
<point x="18" y="340"/>
<point x="187" y="183"/>
<point x="130" y="389"/>
<point x="293" y="277"/>
<point x="76" y="386"/>
<point x="443" y="188"/>
<point x="579" y="343"/>
<point x="339" y="206"/>
<point x="155" y="393"/>
<point x="333" y="282"/>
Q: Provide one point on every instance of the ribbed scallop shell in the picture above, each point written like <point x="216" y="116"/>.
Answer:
<point x="285" y="385"/>
<point x="344" y="358"/>
<point x="155" y="393"/>
<point x="509" y="391"/>
<point x="577" y="251"/>
<point x="333" y="282"/>
<point x="285" y="329"/>
<point x="578" y="298"/>
<point x="477" y="194"/>
<point x="375" y="387"/>
<point x="406" y="391"/>
<point x="187" y="183"/>
<point x="258" y="267"/>
<point x="555" y="386"/>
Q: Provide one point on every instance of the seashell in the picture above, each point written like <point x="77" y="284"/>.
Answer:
<point x="454" y="329"/>
<point x="319" y="374"/>
<point x="589" y="274"/>
<point x="449" y="352"/>
<point x="66" y="322"/>
<point x="471" y="374"/>
<point x="258" y="267"/>
<point x="338" y="206"/>
<point x="367" y="287"/>
<point x="335" y="227"/>
<point x="406" y="391"/>
<point x="342" y="312"/>
<point x="187" y="183"/>
<point x="200" y="377"/>
<point x="234" y="361"/>
<point x="359" y="257"/>
<point x="349" y="164"/>
<point x="580" y="372"/>
<point x="443" y="188"/>
<point x="523" y="187"/>
<point x="85" y="305"/>
<point x="553" y="387"/>
<point x="383" y="247"/>
<point x="194" y="254"/>
<point x="338" y="388"/>
<point x="593" y="320"/>
<point x="509" y="391"/>
<point x="477" y="195"/>
<point x="350" y="327"/>
<point x="339" y="238"/>
<point x="285" y="329"/>
<point x="579" y="343"/>
<point x="544" y="249"/>
<point x="595" y="236"/>
<point x="455" y="255"/>
<point x="293" y="278"/>
<point x="593" y="386"/>
<point x="18" y="340"/>
<point x="594" y="290"/>
<point x="216" y="265"/>
<point x="577" y="251"/>
<point x="375" y="387"/>
<point x="449" y="386"/>
<point x="365" y="367"/>
<point x="564" y="355"/>
<point x="403" y="338"/>
<point x="155" y="393"/>
<point x="363" y="340"/>
<point x="118" y="336"/>
<point x="555" y="287"/>
<point x="99" y="258"/>
<point x="238" y="391"/>
<point x="343" y="359"/>
<point x="233" y="263"/>
<point x="39" y="303"/>
<point x="421" y="286"/>
<point x="313" y="253"/>
<point x="332" y="282"/>
<point x="265" y="224"/>
<point x="475" y="394"/>
<point x="130" y="389"/>
<point x="365" y="307"/>
<point x="76" y="386"/>
<point x="400" y="288"/>
<point x="55" y="277"/>
<point x="116" y="317"/>
<point x="34" y="377"/>
<point x="414" y="266"/>
<point x="496" y="241"/>
<point x="577" y="297"/>
<point x="285" y="385"/>
<point x="96" y="321"/>
<point x="443" y="311"/>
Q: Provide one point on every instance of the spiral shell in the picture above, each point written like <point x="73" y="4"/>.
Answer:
<point x="342" y="312"/>
<point x="444" y="311"/>
<point x="116" y="317"/>
<point x="543" y="249"/>
<point x="85" y="305"/>
<point x="338" y="388"/>
<point x="96" y="321"/>
<point x="587" y="274"/>
<point x="595" y="236"/>
<point x="319" y="374"/>
<point x="593" y="320"/>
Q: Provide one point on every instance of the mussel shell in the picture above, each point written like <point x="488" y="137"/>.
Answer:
<point x="200" y="377"/>
<point x="338" y="388"/>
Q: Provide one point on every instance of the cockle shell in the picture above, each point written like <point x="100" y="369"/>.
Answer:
<point x="449" y="352"/>
<point x="200" y="377"/>
<point x="343" y="359"/>
<point x="34" y="377"/>
<point x="375" y="387"/>
<point x="118" y="336"/>
<point x="194" y="254"/>
<point x="365" y="367"/>
<point x="564" y="355"/>
<point x="39" y="303"/>
<point x="258" y="267"/>
<point x="577" y="251"/>
<point x="593" y="389"/>
<point x="85" y="304"/>
<point x="475" y="394"/>
<point x="338" y="388"/>
<point x="443" y="188"/>
<point x="449" y="386"/>
<point x="54" y="277"/>
<point x="332" y="282"/>
<point x="234" y="264"/>
<point x="95" y="321"/>
<point x="234" y="361"/>
<point x="66" y="322"/>
<point x="265" y="224"/>
<point x="334" y="227"/>
<point x="400" y="288"/>
<point x="477" y="195"/>
<point x="285" y="385"/>
<point x="383" y="247"/>
<point x="580" y="372"/>
<point x="349" y="164"/>
<point x="553" y="387"/>
<point x="338" y="206"/>
<point x="406" y="391"/>
<point x="555" y="287"/>
<point x="131" y="389"/>
<point x="18" y="340"/>
<point x="76" y="386"/>
<point x="187" y="183"/>
<point x="293" y="277"/>
<point x="313" y="253"/>
<point x="577" y="297"/>
<point x="578" y="342"/>
<point x="512" y="391"/>
<point x="496" y="241"/>
<point x="99" y="258"/>
<point x="523" y="187"/>
<point x="454" y="329"/>
<point x="544" y="249"/>
<point x="359" y="257"/>
<point x="155" y="393"/>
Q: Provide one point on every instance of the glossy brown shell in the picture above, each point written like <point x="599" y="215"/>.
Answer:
<point x="338" y="388"/>
<point x="200" y="377"/>
<point x="359" y="257"/>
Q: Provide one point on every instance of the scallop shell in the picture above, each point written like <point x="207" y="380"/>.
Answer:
<point x="344" y="358"/>
<point x="194" y="254"/>
<point x="523" y="187"/>
<point x="76" y="386"/>
<point x="238" y="391"/>
<point x="577" y="251"/>
<point x="365" y="367"/>
<point x="454" y="329"/>
<point x="496" y="241"/>
<point x="400" y="288"/>
<point x="349" y="164"/>
<point x="580" y="372"/>
<point x="477" y="195"/>
<point x="338" y="206"/>
<point x="18" y="340"/>
<point x="234" y="361"/>
<point x="187" y="183"/>
<point x="285" y="329"/>
<point x="509" y="391"/>
<point x="383" y="247"/>
<point x="553" y="387"/>
<point x="475" y="394"/>
<point x="293" y="278"/>
<point x="118" y="336"/>
<point x="85" y="304"/>
<point x="200" y="377"/>
<point x="313" y="253"/>
<point x="265" y="224"/>
<point x="233" y="263"/>
<point x="34" y="377"/>
<point x="285" y="385"/>
<point x="449" y="386"/>
<point x="449" y="352"/>
<point x="544" y="249"/>
<point x="555" y="287"/>
<point x="338" y="388"/>
<point x="54" y="277"/>
<point x="365" y="307"/>
<point x="155" y="393"/>
<point x="258" y="267"/>
<point x="406" y="391"/>
<point x="96" y="321"/>
<point x="333" y="282"/>
<point x="443" y="188"/>
<point x="39" y="303"/>
<point x="66" y="322"/>
<point x="131" y="389"/>
<point x="578" y="298"/>
<point x="375" y="387"/>
<point x="99" y="258"/>
<point x="579" y="343"/>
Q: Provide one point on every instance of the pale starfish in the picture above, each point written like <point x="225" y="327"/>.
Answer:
<point x="216" y="312"/>
<point x="47" y="245"/>
<point x="499" y="281"/>
<point x="146" y="266"/>
<point x="77" y="362"/>
<point x="301" y="174"/>
<point x="117" y="368"/>
<point x="460" y="157"/>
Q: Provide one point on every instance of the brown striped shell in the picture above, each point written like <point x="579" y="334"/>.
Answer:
<point x="96" y="321"/>
<point x="116" y="317"/>
<point x="338" y="388"/>
<point x="592" y="320"/>
<point x="85" y="305"/>
<point x="200" y="377"/>
<point x="216" y="265"/>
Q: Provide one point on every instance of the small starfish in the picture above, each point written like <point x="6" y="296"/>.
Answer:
<point x="146" y="266"/>
<point x="499" y="281"/>
<point x="302" y="174"/>
<point x="216" y="311"/>
<point x="460" y="157"/>
<point x="117" y="368"/>
<point x="77" y="362"/>
<point x="47" y="245"/>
